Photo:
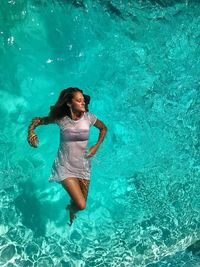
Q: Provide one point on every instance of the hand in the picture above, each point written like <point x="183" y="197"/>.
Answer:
<point x="92" y="151"/>
<point x="33" y="140"/>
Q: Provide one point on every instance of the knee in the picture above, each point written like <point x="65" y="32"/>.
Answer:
<point x="78" y="205"/>
<point x="82" y="206"/>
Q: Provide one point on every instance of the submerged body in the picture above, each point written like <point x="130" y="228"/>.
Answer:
<point x="71" y="160"/>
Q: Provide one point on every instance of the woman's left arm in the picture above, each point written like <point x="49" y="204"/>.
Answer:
<point x="103" y="129"/>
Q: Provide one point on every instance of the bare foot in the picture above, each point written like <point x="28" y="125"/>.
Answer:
<point x="71" y="214"/>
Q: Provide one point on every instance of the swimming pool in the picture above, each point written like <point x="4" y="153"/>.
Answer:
<point x="139" y="62"/>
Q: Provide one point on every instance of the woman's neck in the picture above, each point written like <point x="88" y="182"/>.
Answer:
<point x="76" y="115"/>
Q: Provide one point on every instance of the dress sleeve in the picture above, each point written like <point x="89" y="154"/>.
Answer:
<point x="92" y="118"/>
<point x="57" y="121"/>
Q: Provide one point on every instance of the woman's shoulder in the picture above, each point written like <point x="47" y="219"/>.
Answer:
<point x="61" y="120"/>
<point x="88" y="113"/>
<point x="91" y="117"/>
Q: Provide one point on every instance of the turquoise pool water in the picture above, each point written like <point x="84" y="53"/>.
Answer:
<point x="139" y="62"/>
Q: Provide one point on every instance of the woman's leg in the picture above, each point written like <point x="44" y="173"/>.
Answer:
<point x="77" y="202"/>
<point x="84" y="184"/>
<point x="72" y="186"/>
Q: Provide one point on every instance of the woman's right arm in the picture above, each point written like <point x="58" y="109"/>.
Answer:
<point x="32" y="137"/>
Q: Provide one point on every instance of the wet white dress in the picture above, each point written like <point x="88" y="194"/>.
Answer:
<point x="70" y="160"/>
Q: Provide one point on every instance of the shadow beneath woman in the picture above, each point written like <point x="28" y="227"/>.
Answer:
<point x="37" y="212"/>
<point x="30" y="208"/>
<point x="194" y="248"/>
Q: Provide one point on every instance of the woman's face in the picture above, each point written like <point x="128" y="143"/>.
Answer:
<point x="78" y="102"/>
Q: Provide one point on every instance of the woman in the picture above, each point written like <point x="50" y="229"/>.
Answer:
<point x="71" y="166"/>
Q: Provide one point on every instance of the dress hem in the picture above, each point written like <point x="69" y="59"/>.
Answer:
<point x="59" y="181"/>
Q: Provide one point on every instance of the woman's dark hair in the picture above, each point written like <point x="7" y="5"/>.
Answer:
<point x="60" y="109"/>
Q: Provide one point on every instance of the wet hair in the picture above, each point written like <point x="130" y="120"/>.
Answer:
<point x="60" y="108"/>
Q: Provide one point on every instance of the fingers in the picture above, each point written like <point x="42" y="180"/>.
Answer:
<point x="33" y="141"/>
<point x="91" y="152"/>
<point x="89" y="155"/>
<point x="32" y="144"/>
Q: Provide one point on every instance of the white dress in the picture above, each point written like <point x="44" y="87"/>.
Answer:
<point x="70" y="160"/>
